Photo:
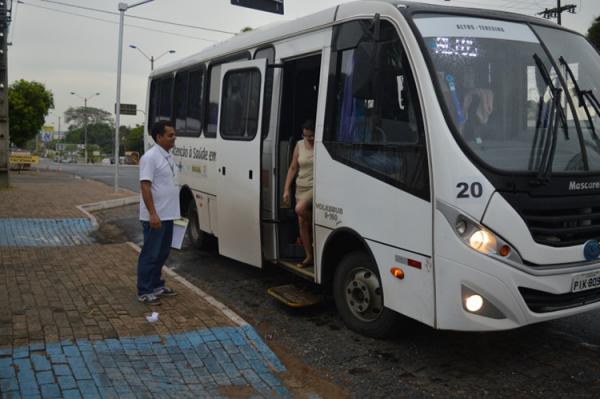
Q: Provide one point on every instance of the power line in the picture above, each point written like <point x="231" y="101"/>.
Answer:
<point x="116" y="23"/>
<point x="137" y="17"/>
<point x="557" y="11"/>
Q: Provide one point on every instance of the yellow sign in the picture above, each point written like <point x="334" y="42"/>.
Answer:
<point x="48" y="129"/>
<point x="17" y="158"/>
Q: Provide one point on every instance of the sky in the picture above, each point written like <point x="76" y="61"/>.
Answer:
<point x="72" y="49"/>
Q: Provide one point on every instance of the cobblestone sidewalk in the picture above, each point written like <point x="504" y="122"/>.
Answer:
<point x="71" y="325"/>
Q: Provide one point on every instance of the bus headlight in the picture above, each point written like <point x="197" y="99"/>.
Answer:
<point x="480" y="239"/>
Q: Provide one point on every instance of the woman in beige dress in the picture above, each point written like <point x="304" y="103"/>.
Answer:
<point x="302" y="166"/>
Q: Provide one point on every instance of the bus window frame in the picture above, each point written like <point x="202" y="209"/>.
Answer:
<point x="240" y="56"/>
<point x="221" y="109"/>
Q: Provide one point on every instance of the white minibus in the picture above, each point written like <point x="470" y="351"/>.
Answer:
<point x="456" y="160"/>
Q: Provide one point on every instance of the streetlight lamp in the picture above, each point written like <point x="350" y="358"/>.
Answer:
<point x="122" y="8"/>
<point x="151" y="58"/>
<point x="85" y="119"/>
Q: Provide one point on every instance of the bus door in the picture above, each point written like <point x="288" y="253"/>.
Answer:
<point x="239" y="161"/>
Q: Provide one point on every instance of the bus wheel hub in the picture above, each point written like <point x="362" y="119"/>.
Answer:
<point x="363" y="295"/>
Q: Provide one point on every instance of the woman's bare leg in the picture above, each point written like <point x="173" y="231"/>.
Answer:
<point x="304" y="212"/>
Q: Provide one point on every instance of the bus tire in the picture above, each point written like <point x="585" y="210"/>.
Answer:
<point x="197" y="237"/>
<point x="359" y="296"/>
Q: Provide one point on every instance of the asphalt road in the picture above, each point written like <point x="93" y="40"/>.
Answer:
<point x="128" y="174"/>
<point x="550" y="360"/>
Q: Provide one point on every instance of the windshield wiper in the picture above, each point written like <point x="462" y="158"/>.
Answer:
<point x="582" y="95"/>
<point x="556" y="113"/>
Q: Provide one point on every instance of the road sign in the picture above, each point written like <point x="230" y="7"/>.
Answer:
<point x="274" y="6"/>
<point x="23" y="158"/>
<point x="127" y="109"/>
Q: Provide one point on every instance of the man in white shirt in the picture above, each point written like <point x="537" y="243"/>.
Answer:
<point x="158" y="208"/>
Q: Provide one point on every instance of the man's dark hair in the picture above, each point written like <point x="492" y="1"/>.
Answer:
<point x="309" y="124"/>
<point x="159" y="128"/>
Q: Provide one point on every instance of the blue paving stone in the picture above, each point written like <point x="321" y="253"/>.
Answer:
<point x="231" y="370"/>
<point x="22" y="364"/>
<point x="66" y="382"/>
<point x="240" y="361"/>
<point x="13" y="395"/>
<point x="26" y="377"/>
<point x="29" y="389"/>
<point x="101" y="380"/>
<point x="84" y="344"/>
<point x="7" y="385"/>
<point x="45" y="232"/>
<point x="40" y="363"/>
<point x="212" y="365"/>
<point x="5" y="352"/>
<point x="6" y="368"/>
<point x="38" y="346"/>
<point x="181" y="365"/>
<point x="61" y="369"/>
<point x="71" y="394"/>
<point x="100" y="346"/>
<point x="87" y="387"/>
<point x="71" y="351"/>
<point x="58" y="359"/>
<point x="54" y="349"/>
<point x="20" y="353"/>
<point x="44" y="377"/>
<point x="51" y="391"/>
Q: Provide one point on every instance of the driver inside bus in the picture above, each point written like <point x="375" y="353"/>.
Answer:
<point x="477" y="105"/>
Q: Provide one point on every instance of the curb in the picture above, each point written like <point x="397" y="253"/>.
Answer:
<point x="97" y="206"/>
<point x="231" y="315"/>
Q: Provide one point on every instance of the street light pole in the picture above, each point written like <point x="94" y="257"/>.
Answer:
<point x="151" y="58"/>
<point x="122" y="8"/>
<point x="85" y="121"/>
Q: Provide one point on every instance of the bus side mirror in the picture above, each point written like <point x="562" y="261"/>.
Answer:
<point x="366" y="57"/>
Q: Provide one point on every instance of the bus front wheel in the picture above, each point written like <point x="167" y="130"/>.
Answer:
<point x="197" y="237"/>
<point x="358" y="296"/>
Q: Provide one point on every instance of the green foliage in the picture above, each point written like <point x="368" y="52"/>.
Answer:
<point x="100" y="134"/>
<point x="77" y="117"/>
<point x="135" y="139"/>
<point x="594" y="33"/>
<point x="28" y="105"/>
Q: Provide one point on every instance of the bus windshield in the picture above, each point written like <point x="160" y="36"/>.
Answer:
<point x="504" y="95"/>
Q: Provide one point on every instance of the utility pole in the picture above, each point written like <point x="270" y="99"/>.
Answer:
<point x="556" y="12"/>
<point x="4" y="133"/>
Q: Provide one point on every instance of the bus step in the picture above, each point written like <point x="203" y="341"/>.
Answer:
<point x="305" y="272"/>
<point x="293" y="296"/>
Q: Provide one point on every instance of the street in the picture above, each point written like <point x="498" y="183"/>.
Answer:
<point x="128" y="174"/>
<point x="553" y="359"/>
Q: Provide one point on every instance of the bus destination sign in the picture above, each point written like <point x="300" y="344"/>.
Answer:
<point x="274" y="6"/>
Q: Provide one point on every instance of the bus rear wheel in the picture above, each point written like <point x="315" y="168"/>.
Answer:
<point x="197" y="237"/>
<point x="358" y="296"/>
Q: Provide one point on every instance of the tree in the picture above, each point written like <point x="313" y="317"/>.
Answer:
<point x="28" y="105"/>
<point x="100" y="134"/>
<point x="76" y="117"/>
<point x="594" y="33"/>
<point x="135" y="139"/>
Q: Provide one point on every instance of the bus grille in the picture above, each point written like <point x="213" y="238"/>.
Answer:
<point x="544" y="302"/>
<point x="559" y="221"/>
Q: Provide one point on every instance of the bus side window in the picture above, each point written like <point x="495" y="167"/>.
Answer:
<point x="181" y="100"/>
<point x="240" y="104"/>
<point x="373" y="118"/>
<point x="194" y="108"/>
<point x="153" y="106"/>
<point x="214" y="74"/>
<point x="165" y="103"/>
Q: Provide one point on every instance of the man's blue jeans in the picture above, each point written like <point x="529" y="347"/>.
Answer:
<point x="157" y="245"/>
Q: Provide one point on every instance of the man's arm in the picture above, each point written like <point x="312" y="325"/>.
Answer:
<point x="146" y="187"/>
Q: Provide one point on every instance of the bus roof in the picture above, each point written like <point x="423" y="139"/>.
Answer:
<point x="265" y="35"/>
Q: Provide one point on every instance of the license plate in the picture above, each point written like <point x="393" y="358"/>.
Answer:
<point x="585" y="281"/>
